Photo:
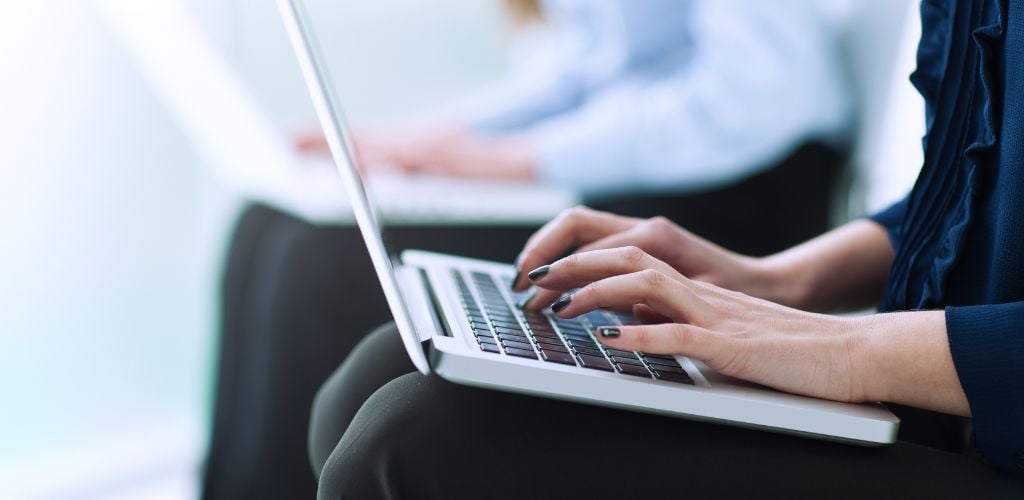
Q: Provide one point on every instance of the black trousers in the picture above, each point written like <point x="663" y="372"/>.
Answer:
<point x="379" y="431"/>
<point x="296" y="297"/>
<point x="293" y="294"/>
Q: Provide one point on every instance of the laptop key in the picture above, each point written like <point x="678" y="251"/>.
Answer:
<point x="582" y="343"/>
<point x="541" y="328"/>
<point x="501" y="330"/>
<point x="487" y="340"/>
<point x="620" y="353"/>
<point x="637" y="371"/>
<point x="627" y="361"/>
<point x="522" y="353"/>
<point x="550" y="342"/>
<point x="509" y="344"/>
<point x="536" y="325"/>
<point x="673" y="377"/>
<point x="506" y="318"/>
<point x="578" y="336"/>
<point x="661" y="363"/>
<point x="507" y="324"/>
<point x="488" y="347"/>
<point x="514" y="338"/>
<point x="557" y="357"/>
<point x="573" y="330"/>
<point x="546" y="335"/>
<point x="588" y="351"/>
<point x="595" y="362"/>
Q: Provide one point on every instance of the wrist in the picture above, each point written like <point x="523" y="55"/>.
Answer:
<point x="866" y="349"/>
<point x="779" y="281"/>
<point x="904" y="358"/>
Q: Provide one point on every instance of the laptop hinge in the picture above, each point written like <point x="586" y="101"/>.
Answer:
<point x="419" y="297"/>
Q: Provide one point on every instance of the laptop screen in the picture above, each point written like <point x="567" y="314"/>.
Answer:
<point x="328" y="110"/>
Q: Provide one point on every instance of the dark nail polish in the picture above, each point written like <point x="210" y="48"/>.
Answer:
<point x="607" y="331"/>
<point x="561" y="302"/>
<point x="539" y="273"/>
<point x="526" y="300"/>
<point x="515" y="279"/>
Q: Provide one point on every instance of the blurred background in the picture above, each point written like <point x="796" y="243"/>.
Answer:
<point x="116" y="216"/>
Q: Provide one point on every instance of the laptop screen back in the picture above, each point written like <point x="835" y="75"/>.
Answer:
<point x="328" y="109"/>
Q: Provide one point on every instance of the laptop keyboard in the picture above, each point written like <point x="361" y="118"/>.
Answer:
<point x="545" y="337"/>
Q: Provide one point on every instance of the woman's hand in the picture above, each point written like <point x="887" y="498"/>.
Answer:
<point x="438" y="148"/>
<point x="902" y="357"/>
<point x="682" y="251"/>
<point x="845" y="268"/>
<point x="733" y="333"/>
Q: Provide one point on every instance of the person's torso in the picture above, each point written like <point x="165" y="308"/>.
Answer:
<point x="962" y="237"/>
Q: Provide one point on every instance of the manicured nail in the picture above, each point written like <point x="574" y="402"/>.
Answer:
<point x="526" y="300"/>
<point x="539" y="273"/>
<point x="519" y="270"/>
<point x="608" y="331"/>
<point x="561" y="302"/>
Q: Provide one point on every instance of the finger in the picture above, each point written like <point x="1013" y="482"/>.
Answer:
<point x="646" y="315"/>
<point x="584" y="268"/>
<point x="580" y="269"/>
<point x="663" y="294"/>
<point x="636" y="236"/>
<point x="541" y="299"/>
<point x="575" y="226"/>
<point x="670" y="338"/>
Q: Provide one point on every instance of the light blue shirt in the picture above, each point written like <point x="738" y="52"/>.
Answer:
<point x="669" y="95"/>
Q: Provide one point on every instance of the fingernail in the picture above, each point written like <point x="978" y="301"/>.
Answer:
<point x="561" y="302"/>
<point x="526" y="300"/>
<point x="515" y="279"/>
<point x="608" y="331"/>
<point x="539" y="273"/>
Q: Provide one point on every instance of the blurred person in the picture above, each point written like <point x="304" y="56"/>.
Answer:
<point x="945" y="351"/>
<point x="728" y="118"/>
<point x="653" y="104"/>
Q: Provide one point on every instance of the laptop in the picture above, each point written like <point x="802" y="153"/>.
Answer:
<point x="235" y="135"/>
<point x="458" y="319"/>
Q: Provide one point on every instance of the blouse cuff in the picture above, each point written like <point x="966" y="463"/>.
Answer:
<point x="987" y="344"/>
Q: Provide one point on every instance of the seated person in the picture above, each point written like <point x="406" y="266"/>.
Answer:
<point x="712" y="113"/>
<point x="944" y="264"/>
<point x="715" y="114"/>
<point x="654" y="107"/>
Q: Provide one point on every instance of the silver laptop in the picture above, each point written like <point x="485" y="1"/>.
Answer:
<point x="458" y="319"/>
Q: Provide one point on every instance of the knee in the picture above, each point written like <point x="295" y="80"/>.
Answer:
<point x="340" y="397"/>
<point x="379" y="448"/>
<point x="323" y="433"/>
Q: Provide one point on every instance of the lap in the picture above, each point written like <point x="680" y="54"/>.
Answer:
<point x="423" y="437"/>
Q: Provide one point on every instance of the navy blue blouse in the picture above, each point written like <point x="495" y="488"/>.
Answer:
<point x="958" y="236"/>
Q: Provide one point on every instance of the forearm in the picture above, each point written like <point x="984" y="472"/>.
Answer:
<point x="845" y="268"/>
<point x="905" y="358"/>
